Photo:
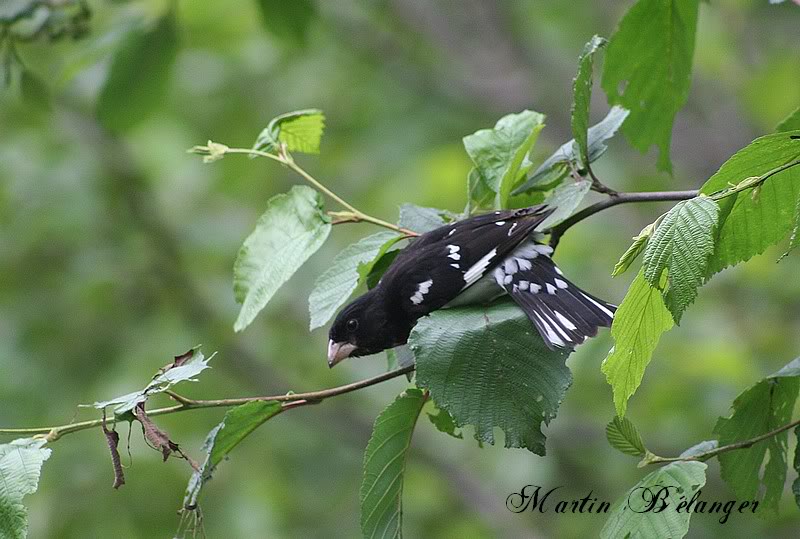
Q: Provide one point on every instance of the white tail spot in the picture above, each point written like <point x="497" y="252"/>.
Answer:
<point x="565" y="321"/>
<point x="605" y="310"/>
<point x="549" y="333"/>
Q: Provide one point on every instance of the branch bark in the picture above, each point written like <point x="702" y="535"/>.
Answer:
<point x="614" y="200"/>
<point x="289" y="400"/>
<point x="744" y="444"/>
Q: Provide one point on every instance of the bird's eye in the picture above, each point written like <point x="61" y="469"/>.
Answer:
<point x="352" y="324"/>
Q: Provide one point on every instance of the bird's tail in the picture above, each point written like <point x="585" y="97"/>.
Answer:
<point x="563" y="314"/>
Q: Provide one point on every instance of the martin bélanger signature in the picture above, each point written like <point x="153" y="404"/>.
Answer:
<point x="646" y="499"/>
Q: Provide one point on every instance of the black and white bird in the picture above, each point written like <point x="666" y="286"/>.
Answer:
<point x="470" y="262"/>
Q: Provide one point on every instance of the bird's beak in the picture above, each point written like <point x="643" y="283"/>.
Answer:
<point x="337" y="351"/>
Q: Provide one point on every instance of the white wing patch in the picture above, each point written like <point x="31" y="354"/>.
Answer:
<point x="422" y="289"/>
<point x="510" y="230"/>
<point x="510" y="266"/>
<point x="454" y="252"/>
<point x="476" y="271"/>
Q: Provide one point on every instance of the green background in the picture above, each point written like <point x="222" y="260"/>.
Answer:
<point x="116" y="253"/>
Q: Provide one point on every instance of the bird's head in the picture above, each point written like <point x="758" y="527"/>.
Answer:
<point x="359" y="329"/>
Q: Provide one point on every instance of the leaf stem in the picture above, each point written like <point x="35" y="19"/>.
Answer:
<point x="289" y="400"/>
<point x="744" y="444"/>
<point x="356" y="215"/>
<point x="752" y="182"/>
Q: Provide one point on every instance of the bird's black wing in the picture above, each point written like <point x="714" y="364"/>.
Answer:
<point x="563" y="313"/>
<point x="442" y="263"/>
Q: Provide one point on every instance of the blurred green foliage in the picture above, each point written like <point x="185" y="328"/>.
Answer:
<point x="116" y="252"/>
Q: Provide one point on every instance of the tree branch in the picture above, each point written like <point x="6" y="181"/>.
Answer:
<point x="614" y="200"/>
<point x="289" y="400"/>
<point x="215" y="151"/>
<point x="744" y="444"/>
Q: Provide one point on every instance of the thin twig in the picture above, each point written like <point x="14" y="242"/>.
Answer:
<point x="614" y="200"/>
<point x="744" y="444"/>
<point x="291" y="400"/>
<point x="597" y="185"/>
<point x="355" y="214"/>
<point x="753" y="182"/>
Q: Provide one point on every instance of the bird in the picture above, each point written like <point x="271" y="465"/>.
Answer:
<point x="470" y="262"/>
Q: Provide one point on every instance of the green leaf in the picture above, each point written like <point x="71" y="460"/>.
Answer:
<point x="629" y="517"/>
<point x="747" y="225"/>
<point x="20" y="467"/>
<point x="399" y="357"/>
<point x="499" y="154"/>
<point x="633" y="252"/>
<point x="300" y="130"/>
<point x="338" y="282"/>
<point x="420" y="219"/>
<point x="139" y="76"/>
<point x="794" y="239"/>
<point x="444" y="423"/>
<point x="790" y="123"/>
<point x="638" y="324"/>
<point x="237" y="424"/>
<point x="759" y="409"/>
<point x="288" y="21"/>
<point x="556" y="167"/>
<point x="565" y="199"/>
<point x="623" y="435"/>
<point x="796" y="482"/>
<point x="582" y="96"/>
<point x="286" y="235"/>
<point x="682" y="244"/>
<point x="185" y="368"/>
<point x="384" y="465"/>
<point x="384" y="257"/>
<point x="488" y="367"/>
<point x="12" y="11"/>
<point x="647" y="70"/>
<point x="391" y="359"/>
<point x="479" y="195"/>
<point x="34" y="90"/>
<point x="377" y="268"/>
